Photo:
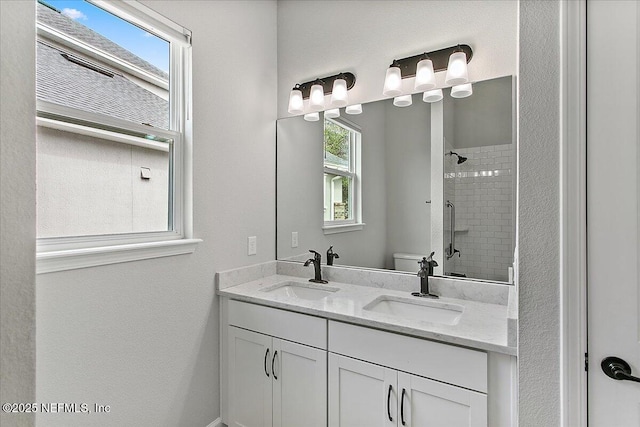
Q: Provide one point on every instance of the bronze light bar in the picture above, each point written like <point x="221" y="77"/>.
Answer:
<point x="326" y="83"/>
<point x="440" y="59"/>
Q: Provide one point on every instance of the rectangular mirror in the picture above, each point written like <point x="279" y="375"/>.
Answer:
<point x="383" y="187"/>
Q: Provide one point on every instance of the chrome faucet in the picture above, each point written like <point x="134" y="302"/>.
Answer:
<point x="426" y="271"/>
<point x="316" y="266"/>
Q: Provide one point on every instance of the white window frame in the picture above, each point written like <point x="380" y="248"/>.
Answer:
<point x="355" y="173"/>
<point x="66" y="253"/>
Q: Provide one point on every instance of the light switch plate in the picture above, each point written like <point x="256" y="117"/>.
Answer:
<point x="252" y="245"/>
<point x="294" y="239"/>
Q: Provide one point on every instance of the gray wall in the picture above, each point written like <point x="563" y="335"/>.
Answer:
<point x="408" y="163"/>
<point x="485" y="118"/>
<point x="539" y="214"/>
<point x="143" y="336"/>
<point x="88" y="185"/>
<point x="18" y="204"/>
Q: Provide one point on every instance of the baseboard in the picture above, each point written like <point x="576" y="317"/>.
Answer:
<point x="216" y="423"/>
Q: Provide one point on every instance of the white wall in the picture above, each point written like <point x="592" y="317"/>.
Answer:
<point x="539" y="214"/>
<point x="18" y="208"/>
<point x="321" y="38"/>
<point x="143" y="336"/>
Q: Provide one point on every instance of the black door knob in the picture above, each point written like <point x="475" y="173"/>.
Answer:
<point x="617" y="369"/>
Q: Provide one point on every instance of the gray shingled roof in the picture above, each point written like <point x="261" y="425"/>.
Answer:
<point x="63" y="82"/>
<point x="74" y="29"/>
<point x="70" y="84"/>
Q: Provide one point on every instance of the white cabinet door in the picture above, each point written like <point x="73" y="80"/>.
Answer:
<point x="361" y="394"/>
<point x="299" y="374"/>
<point x="250" y="395"/>
<point x="428" y="403"/>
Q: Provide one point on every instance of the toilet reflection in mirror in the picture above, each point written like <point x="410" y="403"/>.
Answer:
<point x="395" y="161"/>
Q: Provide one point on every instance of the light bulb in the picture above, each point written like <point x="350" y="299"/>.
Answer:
<point x="316" y="97"/>
<point x="457" y="69"/>
<point x="402" y="101"/>
<point x="392" y="82"/>
<point x="296" y="105"/>
<point x="462" y="91"/>
<point x="432" y="96"/>
<point x="339" y="96"/>
<point x="425" y="77"/>
<point x="312" y="117"/>
<point x="354" y="109"/>
<point x="332" y="114"/>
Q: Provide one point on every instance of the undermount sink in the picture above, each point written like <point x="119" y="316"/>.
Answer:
<point x="308" y="291"/>
<point x="416" y="309"/>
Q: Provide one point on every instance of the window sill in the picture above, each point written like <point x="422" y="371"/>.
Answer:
<point x="343" y="228"/>
<point x="71" y="259"/>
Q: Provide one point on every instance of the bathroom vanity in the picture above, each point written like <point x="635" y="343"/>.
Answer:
<point x="361" y="351"/>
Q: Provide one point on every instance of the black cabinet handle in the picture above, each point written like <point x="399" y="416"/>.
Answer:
<point x="617" y="369"/>
<point x="272" y="361"/>
<point x="402" y="407"/>
<point x="388" y="406"/>
<point x="266" y="356"/>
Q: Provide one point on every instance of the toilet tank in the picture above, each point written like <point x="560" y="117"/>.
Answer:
<point x="406" y="262"/>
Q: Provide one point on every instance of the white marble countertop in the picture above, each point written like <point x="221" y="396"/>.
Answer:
<point x="482" y="325"/>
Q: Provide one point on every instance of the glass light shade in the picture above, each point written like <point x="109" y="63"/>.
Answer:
<point x="402" y="101"/>
<point x="339" y="96"/>
<point x="392" y="82"/>
<point x="457" y="69"/>
<point x="312" y="117"/>
<point x="316" y="98"/>
<point x="296" y="105"/>
<point x="332" y="114"/>
<point x="462" y="91"/>
<point x="354" y="109"/>
<point x="425" y="77"/>
<point x="432" y="96"/>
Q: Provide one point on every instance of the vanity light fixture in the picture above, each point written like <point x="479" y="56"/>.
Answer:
<point x="393" y="80"/>
<point x="339" y="94"/>
<point x="425" y="76"/>
<point x="402" y="101"/>
<point x="332" y="114"/>
<point x="315" y="91"/>
<point x="432" y="96"/>
<point x="296" y="103"/>
<point x="354" y="109"/>
<point x="457" y="72"/>
<point x="316" y="96"/>
<point x="462" y="91"/>
<point x="423" y="67"/>
<point x="312" y="117"/>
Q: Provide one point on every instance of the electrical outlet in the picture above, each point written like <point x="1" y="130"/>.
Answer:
<point x="252" y="245"/>
<point x="294" y="239"/>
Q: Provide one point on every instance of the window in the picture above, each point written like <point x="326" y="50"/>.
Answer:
<point x="342" y="184"/>
<point x="113" y="91"/>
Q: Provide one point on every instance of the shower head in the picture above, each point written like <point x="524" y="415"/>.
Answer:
<point x="461" y="159"/>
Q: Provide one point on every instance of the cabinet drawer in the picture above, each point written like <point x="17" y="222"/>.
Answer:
<point x="447" y="363"/>
<point x="283" y="324"/>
